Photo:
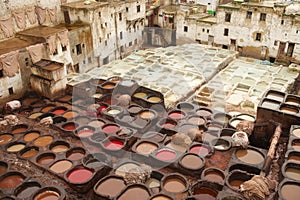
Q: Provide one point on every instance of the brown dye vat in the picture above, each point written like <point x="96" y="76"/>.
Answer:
<point x="19" y="129"/>
<point x="291" y="170"/>
<point x="65" y="98"/>
<point x="197" y="120"/>
<point x="45" y="159"/>
<point x="192" y="162"/>
<point x="6" y="138"/>
<point x="35" y="115"/>
<point x="76" y="153"/>
<point x="70" y="114"/>
<point x="47" y="108"/>
<point x="147" y="114"/>
<point x="135" y="191"/>
<point x="204" y="112"/>
<point x="43" y="141"/>
<point x="250" y="156"/>
<point x="27" y="189"/>
<point x="236" y="178"/>
<point x="29" y="152"/>
<point x="146" y="147"/>
<point x="294" y="156"/>
<point x="11" y="180"/>
<point x="205" y="190"/>
<point x="296" y="132"/>
<point x="289" y="109"/>
<point x="59" y="146"/>
<point x="289" y="190"/>
<point x="160" y="197"/>
<point x="110" y="186"/>
<point x="108" y="86"/>
<point x="47" y="195"/>
<point x="174" y="183"/>
<point x="30" y="136"/>
<point x="37" y="104"/>
<point x="292" y="100"/>
<point x="61" y="166"/>
<point x="296" y="144"/>
<point x="213" y="175"/>
<point x="3" y="167"/>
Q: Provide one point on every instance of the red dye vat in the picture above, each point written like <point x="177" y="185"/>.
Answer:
<point x="200" y="150"/>
<point x="58" y="112"/>
<point x="80" y="175"/>
<point x="109" y="129"/>
<point x="176" y="115"/>
<point x="114" y="145"/>
<point x="85" y="133"/>
<point x="69" y="127"/>
<point x="169" y="125"/>
<point x="165" y="155"/>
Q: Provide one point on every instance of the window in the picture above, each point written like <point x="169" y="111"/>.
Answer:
<point x="121" y="35"/>
<point x="83" y="45"/>
<point x="171" y="20"/>
<point x="275" y="43"/>
<point x="121" y="49"/>
<point x="78" y="49"/>
<point x="11" y="90"/>
<point x="89" y="59"/>
<point x="126" y="9"/>
<point x="83" y="62"/>
<point x="249" y="15"/>
<point x="26" y="62"/>
<point x="1" y="73"/>
<point x="262" y="17"/>
<point x="55" y="52"/>
<point x="227" y="17"/>
<point x="207" y="30"/>
<point x="226" y="31"/>
<point x="203" y="30"/>
<point x="135" y="41"/>
<point x="297" y="31"/>
<point x="129" y="30"/>
<point x="282" y="22"/>
<point x="105" y="24"/>
<point x="63" y="48"/>
<point x="130" y="44"/>
<point x="99" y="13"/>
<point x="120" y="16"/>
<point x="138" y="8"/>
<point x="105" y="42"/>
<point x="106" y="60"/>
<point x="185" y="29"/>
<point x="107" y="35"/>
<point x="258" y="37"/>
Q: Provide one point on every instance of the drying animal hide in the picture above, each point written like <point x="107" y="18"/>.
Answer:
<point x="51" y="41"/>
<point x="36" y="52"/>
<point x="240" y="139"/>
<point x="63" y="37"/>
<point x="52" y="14"/>
<point x="30" y="12"/>
<point x="10" y="63"/>
<point x="7" y="27"/>
<point x="20" y="18"/>
<point x="41" y="14"/>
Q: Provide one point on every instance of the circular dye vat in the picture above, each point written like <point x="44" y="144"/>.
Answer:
<point x="79" y="175"/>
<point x="58" y="111"/>
<point x="11" y="180"/>
<point x="214" y="127"/>
<point x="246" y="117"/>
<point x="236" y="183"/>
<point x="134" y="109"/>
<point x="147" y="114"/>
<point x="204" y="113"/>
<point x="234" y="122"/>
<point x="221" y="118"/>
<point x="3" y="167"/>
<point x="113" y="111"/>
<point x="19" y="129"/>
<point x="199" y="121"/>
<point x="176" y="115"/>
<point x="47" y="195"/>
<point x="110" y="186"/>
<point x="134" y="192"/>
<point x="65" y="98"/>
<point x="15" y="148"/>
<point x="26" y="190"/>
<point x="70" y="114"/>
<point x="110" y="128"/>
<point x="290" y="191"/>
<point x="140" y="95"/>
<point x="289" y="109"/>
<point x="30" y="136"/>
<point x="213" y="175"/>
<point x="296" y="144"/>
<point x="192" y="162"/>
<point x="296" y="132"/>
<point x="250" y="156"/>
<point x="114" y="144"/>
<point x="35" y="115"/>
<point x="221" y="144"/>
<point x="165" y="155"/>
<point x="146" y="148"/>
<point x="152" y="183"/>
<point x="169" y="125"/>
<point x="293" y="172"/>
<point x="206" y="193"/>
<point x="45" y="159"/>
<point x="59" y="148"/>
<point x="108" y="86"/>
<point x="75" y="154"/>
<point x="174" y="184"/>
<point x="47" y="108"/>
<point x="61" y="166"/>
<point x="70" y="126"/>
<point x="30" y="153"/>
<point x="160" y="197"/>
<point x="185" y="106"/>
<point x="154" y="99"/>
<point x="6" y="138"/>
<point x="43" y="141"/>
<point x="200" y="150"/>
<point x="275" y="96"/>
<point x="96" y="123"/>
<point x="294" y="156"/>
<point x="124" y="168"/>
<point x="85" y="132"/>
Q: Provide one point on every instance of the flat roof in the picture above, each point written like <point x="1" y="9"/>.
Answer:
<point x="81" y="5"/>
<point x="14" y="44"/>
<point x="75" y="26"/>
<point x="42" y="31"/>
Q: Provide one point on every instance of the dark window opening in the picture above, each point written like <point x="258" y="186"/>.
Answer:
<point x="226" y="31"/>
<point x="89" y="59"/>
<point x="249" y="15"/>
<point x="106" y="60"/>
<point x="1" y="73"/>
<point x="83" y="62"/>
<point x="282" y="22"/>
<point x="55" y="52"/>
<point x="121" y="49"/>
<point x="171" y="20"/>
<point x="203" y="30"/>
<point x="26" y="62"/>
<point x="138" y="8"/>
<point x="224" y="46"/>
<point x="67" y="17"/>
<point x="126" y="9"/>
<point x="207" y="30"/>
<point x="105" y="42"/>
<point x="227" y="17"/>
<point x="185" y="29"/>
<point x="275" y="43"/>
<point x="262" y="17"/>
<point x="78" y="49"/>
<point x="83" y="45"/>
<point x="121" y="35"/>
<point x="135" y="41"/>
<point x="272" y="59"/>
<point x="107" y="35"/>
<point x="130" y="44"/>
<point x="258" y="37"/>
<point x="11" y="90"/>
<point x="120" y="16"/>
<point x="99" y="14"/>
<point x="63" y="48"/>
